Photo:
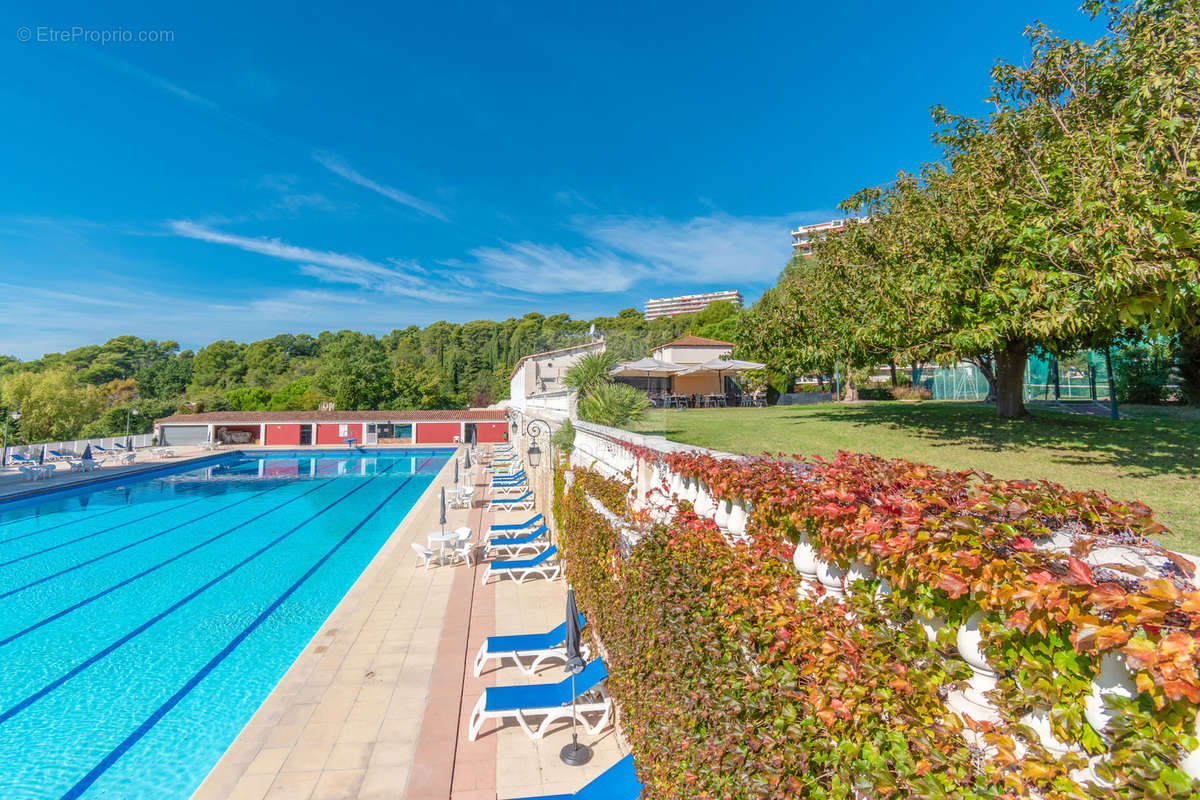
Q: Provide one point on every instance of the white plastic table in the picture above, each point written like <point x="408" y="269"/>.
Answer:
<point x="441" y="539"/>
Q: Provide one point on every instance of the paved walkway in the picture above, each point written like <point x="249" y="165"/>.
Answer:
<point x="377" y="704"/>
<point x="343" y="721"/>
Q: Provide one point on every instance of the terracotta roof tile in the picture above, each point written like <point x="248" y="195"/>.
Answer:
<point x="695" y="341"/>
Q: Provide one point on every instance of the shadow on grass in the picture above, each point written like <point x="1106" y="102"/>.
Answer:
<point x="1145" y="447"/>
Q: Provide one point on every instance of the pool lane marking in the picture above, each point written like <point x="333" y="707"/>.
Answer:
<point x="97" y="533"/>
<point x="157" y="566"/>
<point x="61" y="524"/>
<point x="134" y="737"/>
<point x="91" y="517"/>
<point x="59" y="681"/>
<point x="143" y="540"/>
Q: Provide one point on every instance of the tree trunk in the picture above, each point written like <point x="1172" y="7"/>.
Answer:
<point x="1189" y="367"/>
<point x="851" y="394"/>
<point x="1010" y="380"/>
<point x="987" y="368"/>
<point x="892" y="367"/>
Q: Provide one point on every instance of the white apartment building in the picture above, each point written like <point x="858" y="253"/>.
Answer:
<point x="803" y="236"/>
<point x="688" y="303"/>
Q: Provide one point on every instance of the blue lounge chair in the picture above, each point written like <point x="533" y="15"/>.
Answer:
<point x="513" y="527"/>
<point x="551" y="701"/>
<point x="17" y="458"/>
<point x="618" y="782"/>
<point x="522" y="503"/>
<point x="121" y="448"/>
<point x="542" y="646"/>
<point x="522" y="568"/>
<point x="517" y="480"/>
<point x="516" y="476"/>
<point x="509" y="546"/>
<point x="55" y="455"/>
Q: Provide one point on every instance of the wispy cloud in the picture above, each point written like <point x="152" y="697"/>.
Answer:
<point x="185" y="316"/>
<point x="620" y="251"/>
<point x="552" y="269"/>
<point x="341" y="168"/>
<point x="156" y="81"/>
<point x="712" y="249"/>
<point x="325" y="265"/>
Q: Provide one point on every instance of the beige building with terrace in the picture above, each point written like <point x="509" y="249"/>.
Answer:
<point x="688" y="352"/>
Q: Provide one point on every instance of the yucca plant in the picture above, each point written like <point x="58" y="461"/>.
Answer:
<point x="613" y="404"/>
<point x="590" y="372"/>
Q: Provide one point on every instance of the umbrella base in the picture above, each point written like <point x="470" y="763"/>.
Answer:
<point x="575" y="754"/>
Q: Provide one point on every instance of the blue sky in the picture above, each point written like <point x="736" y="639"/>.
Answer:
<point x="300" y="167"/>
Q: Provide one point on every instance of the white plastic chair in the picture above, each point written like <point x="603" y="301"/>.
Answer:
<point x="423" y="553"/>
<point x="463" y="548"/>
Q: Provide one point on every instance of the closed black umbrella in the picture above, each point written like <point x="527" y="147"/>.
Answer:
<point x="456" y="472"/>
<point x="42" y="457"/>
<point x="467" y="463"/>
<point x="442" y="518"/>
<point x="574" y="754"/>
<point x="87" y="452"/>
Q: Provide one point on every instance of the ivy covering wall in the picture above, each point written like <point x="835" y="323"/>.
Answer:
<point x="737" y="679"/>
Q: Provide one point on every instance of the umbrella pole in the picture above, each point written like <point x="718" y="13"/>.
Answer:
<point x="575" y="754"/>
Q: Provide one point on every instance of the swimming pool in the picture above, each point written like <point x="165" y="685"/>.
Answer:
<point x="143" y="622"/>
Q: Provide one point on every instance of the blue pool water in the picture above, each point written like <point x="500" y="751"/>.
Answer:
<point x="142" y="623"/>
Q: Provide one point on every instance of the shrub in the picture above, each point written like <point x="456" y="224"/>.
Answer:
<point x="613" y="404"/>
<point x="731" y="685"/>
<point x="1141" y="371"/>
<point x="911" y="392"/>
<point x="590" y="372"/>
<point x="564" y="438"/>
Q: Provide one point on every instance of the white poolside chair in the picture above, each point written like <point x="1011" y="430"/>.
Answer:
<point x="522" y="503"/>
<point x="461" y="498"/>
<point x="423" y="553"/>
<point x="521" y="568"/>
<point x="516" y="528"/>
<point x="510" y="546"/>
<point x="549" y="646"/>
<point x="463" y="548"/>
<point x="514" y="488"/>
<point x="550" y="701"/>
<point x="618" y="782"/>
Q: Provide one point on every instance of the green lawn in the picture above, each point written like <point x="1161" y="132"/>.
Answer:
<point x="1152" y="456"/>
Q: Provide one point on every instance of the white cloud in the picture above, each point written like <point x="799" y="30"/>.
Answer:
<point x="713" y="249"/>
<point x="151" y="79"/>
<point x="552" y="269"/>
<point x="339" y="167"/>
<point x="326" y="266"/>
<point x="622" y="251"/>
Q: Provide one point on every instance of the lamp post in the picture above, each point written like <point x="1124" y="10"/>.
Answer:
<point x="131" y="412"/>
<point x="15" y="415"/>
<point x="535" y="429"/>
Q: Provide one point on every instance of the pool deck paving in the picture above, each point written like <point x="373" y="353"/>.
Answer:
<point x="376" y="706"/>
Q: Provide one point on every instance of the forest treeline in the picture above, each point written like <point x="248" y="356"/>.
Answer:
<point x="94" y="390"/>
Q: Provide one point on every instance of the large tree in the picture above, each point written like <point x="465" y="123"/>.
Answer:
<point x="1068" y="214"/>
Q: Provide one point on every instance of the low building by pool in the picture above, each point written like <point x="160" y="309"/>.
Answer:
<point x="323" y="428"/>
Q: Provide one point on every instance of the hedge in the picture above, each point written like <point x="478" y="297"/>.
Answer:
<point x="734" y="682"/>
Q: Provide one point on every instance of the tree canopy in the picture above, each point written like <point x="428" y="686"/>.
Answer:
<point x="91" y="389"/>
<point x="1062" y="218"/>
